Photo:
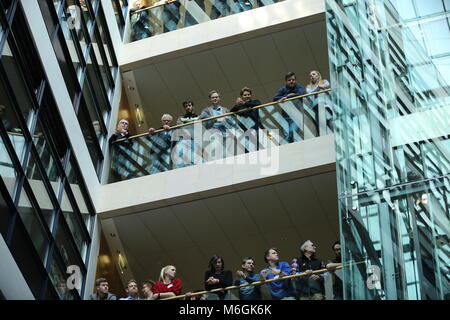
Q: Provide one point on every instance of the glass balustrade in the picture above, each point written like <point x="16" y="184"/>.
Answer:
<point x="223" y="136"/>
<point x="161" y="18"/>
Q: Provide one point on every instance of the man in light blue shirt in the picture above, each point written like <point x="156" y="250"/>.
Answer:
<point x="279" y="290"/>
<point x="132" y="291"/>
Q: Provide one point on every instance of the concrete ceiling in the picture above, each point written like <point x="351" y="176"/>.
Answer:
<point x="232" y="225"/>
<point x="259" y="63"/>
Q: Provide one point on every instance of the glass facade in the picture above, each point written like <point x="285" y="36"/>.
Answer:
<point x="86" y="57"/>
<point x="46" y="214"/>
<point x="390" y="106"/>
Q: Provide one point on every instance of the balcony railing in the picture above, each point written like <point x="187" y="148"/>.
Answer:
<point x="230" y="134"/>
<point x="178" y="14"/>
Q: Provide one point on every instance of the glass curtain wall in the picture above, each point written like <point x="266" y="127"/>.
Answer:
<point x="391" y="110"/>
<point x="82" y="43"/>
<point x="46" y="214"/>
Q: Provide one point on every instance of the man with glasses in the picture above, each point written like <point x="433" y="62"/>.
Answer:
<point x="121" y="131"/>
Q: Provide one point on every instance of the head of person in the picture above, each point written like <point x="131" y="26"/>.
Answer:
<point x="167" y="273"/>
<point x="308" y="248"/>
<point x="291" y="79"/>
<point x="271" y="255"/>
<point x="315" y="78"/>
<point x="248" y="264"/>
<point x="188" y="106"/>
<point x="216" y="264"/>
<point x="96" y="125"/>
<point x="122" y="126"/>
<point x="137" y="4"/>
<point x="214" y="97"/>
<point x="337" y="249"/>
<point x="166" y="119"/>
<point x="102" y="286"/>
<point x="246" y="94"/>
<point x="147" y="287"/>
<point x="132" y="288"/>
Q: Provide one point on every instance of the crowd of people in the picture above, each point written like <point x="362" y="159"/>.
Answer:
<point x="172" y="149"/>
<point x="309" y="286"/>
<point x="245" y="100"/>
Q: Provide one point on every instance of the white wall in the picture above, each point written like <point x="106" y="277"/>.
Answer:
<point x="290" y="161"/>
<point x="12" y="282"/>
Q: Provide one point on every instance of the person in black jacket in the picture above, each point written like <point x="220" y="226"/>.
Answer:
<point x="248" y="120"/>
<point x="121" y="131"/>
<point x="309" y="287"/>
<point x="217" y="277"/>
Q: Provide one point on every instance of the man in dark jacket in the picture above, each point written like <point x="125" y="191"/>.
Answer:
<point x="309" y="287"/>
<point x="290" y="90"/>
<point x="102" y="291"/>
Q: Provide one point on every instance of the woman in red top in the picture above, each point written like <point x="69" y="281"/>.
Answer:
<point x="168" y="285"/>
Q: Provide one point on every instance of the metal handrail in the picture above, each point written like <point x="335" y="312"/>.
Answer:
<point x="299" y="275"/>
<point x="221" y="115"/>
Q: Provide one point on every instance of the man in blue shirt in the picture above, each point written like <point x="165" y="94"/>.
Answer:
<point x="290" y="90"/>
<point x="279" y="290"/>
<point x="245" y="276"/>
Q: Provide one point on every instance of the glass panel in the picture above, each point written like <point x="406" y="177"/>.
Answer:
<point x="37" y="185"/>
<point x="102" y="64"/>
<point x="90" y="137"/>
<point x="242" y="131"/>
<point x="65" y="248"/>
<point x="392" y="153"/>
<point x="72" y="176"/>
<point x="429" y="7"/>
<point x="19" y="92"/>
<point x="74" y="225"/>
<point x="59" y="280"/>
<point x="7" y="169"/>
<point x="97" y="120"/>
<point x="43" y="149"/>
<point x="437" y="35"/>
<point x="34" y="226"/>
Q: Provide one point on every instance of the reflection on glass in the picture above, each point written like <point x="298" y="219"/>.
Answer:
<point x="34" y="226"/>
<point x="59" y="281"/>
<point x="73" y="222"/>
<point x="37" y="185"/>
<point x="78" y="194"/>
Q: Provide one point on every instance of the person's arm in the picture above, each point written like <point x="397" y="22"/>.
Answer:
<point x="281" y="93"/>
<point x="285" y="269"/>
<point x="177" y="287"/>
<point x="325" y="85"/>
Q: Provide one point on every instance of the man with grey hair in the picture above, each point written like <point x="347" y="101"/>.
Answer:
<point x="161" y="145"/>
<point x="309" y="287"/>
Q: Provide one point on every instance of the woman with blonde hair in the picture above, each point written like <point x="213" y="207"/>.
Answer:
<point x="316" y="82"/>
<point x="168" y="285"/>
